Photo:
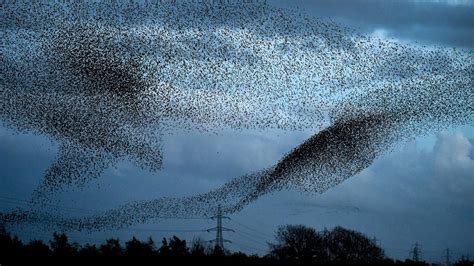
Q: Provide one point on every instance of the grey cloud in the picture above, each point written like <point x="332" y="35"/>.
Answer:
<point x="442" y="174"/>
<point x="429" y="22"/>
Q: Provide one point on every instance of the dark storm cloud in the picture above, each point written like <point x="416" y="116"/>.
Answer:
<point x="447" y="23"/>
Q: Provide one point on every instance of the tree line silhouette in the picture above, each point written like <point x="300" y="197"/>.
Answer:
<point x="295" y="245"/>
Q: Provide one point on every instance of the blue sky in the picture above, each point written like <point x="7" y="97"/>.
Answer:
<point x="420" y="192"/>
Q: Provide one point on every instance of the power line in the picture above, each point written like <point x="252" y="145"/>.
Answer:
<point x="251" y="239"/>
<point x="247" y="232"/>
<point x="23" y="202"/>
<point x="252" y="229"/>
<point x="164" y="230"/>
<point x="27" y="202"/>
<point x="49" y="236"/>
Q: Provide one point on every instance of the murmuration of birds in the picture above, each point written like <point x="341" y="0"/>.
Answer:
<point x="107" y="80"/>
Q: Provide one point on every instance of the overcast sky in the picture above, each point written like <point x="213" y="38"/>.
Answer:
<point x="421" y="192"/>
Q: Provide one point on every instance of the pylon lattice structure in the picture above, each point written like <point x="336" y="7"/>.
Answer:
<point x="416" y="252"/>
<point x="219" y="241"/>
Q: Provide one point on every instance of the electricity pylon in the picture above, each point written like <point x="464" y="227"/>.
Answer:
<point x="448" y="263"/>
<point x="219" y="241"/>
<point x="416" y="252"/>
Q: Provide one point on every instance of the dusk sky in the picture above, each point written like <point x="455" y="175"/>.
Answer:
<point x="420" y="192"/>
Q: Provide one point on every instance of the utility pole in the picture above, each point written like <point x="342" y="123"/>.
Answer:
<point x="447" y="257"/>
<point x="219" y="241"/>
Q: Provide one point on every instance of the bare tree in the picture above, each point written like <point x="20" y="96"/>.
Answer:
<point x="298" y="242"/>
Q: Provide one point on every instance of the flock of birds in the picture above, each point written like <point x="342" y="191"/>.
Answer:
<point x="108" y="79"/>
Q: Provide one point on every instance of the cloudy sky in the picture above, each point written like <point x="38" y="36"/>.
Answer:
<point x="421" y="192"/>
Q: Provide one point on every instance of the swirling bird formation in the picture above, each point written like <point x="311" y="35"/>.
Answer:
<point x="107" y="80"/>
